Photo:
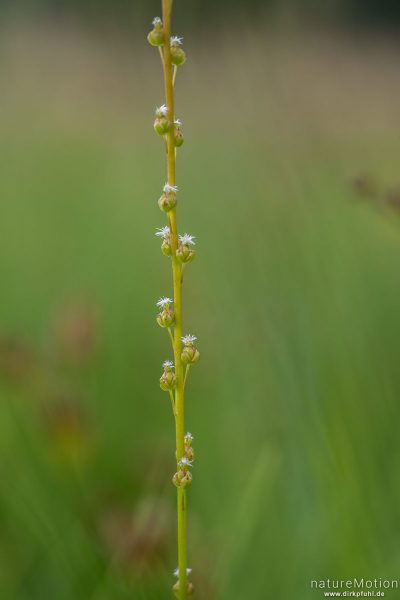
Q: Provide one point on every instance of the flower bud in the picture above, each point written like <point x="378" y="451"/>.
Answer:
<point x="178" y="135"/>
<point x="165" y="234"/>
<point x="188" y="439"/>
<point x="190" y="589"/>
<point x="190" y="355"/>
<point x="168" y="378"/>
<point x="161" y="123"/>
<point x="166" y="318"/>
<point x="167" y="200"/>
<point x="182" y="479"/>
<point x="178" y="56"/>
<point x="184" y="254"/>
<point x="189" y="453"/>
<point x="156" y="36"/>
<point x="166" y="248"/>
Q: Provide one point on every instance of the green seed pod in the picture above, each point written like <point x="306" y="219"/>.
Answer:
<point x="178" y="56"/>
<point x="190" y="355"/>
<point x="168" y="381"/>
<point x="186" y="479"/>
<point x="190" y="589"/>
<point x="184" y="254"/>
<point x="166" y="247"/>
<point x="161" y="125"/>
<point x="182" y="479"/>
<point x="168" y="378"/>
<point x="167" y="201"/>
<point x="156" y="36"/>
<point x="189" y="453"/>
<point x="188" y="439"/>
<point x="178" y="135"/>
<point x="166" y="318"/>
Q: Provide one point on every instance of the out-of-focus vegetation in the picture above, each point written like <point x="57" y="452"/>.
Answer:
<point x="205" y="14"/>
<point x="294" y="296"/>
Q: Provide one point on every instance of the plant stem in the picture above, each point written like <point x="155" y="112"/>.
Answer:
<point x="177" y="281"/>
<point x="171" y="395"/>
<point x="186" y="374"/>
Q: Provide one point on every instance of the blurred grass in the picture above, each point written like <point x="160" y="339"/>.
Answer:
<point x="294" y="297"/>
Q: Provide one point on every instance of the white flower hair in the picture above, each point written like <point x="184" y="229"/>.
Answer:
<point x="189" y="339"/>
<point x="168" y="364"/>
<point x="164" y="302"/>
<point x="176" y="41"/>
<point x="170" y="188"/>
<point x="161" y="111"/>
<point x="185" y="462"/>
<point x="189" y="437"/>
<point x="157" y="21"/>
<point x="188" y="571"/>
<point x="162" y="231"/>
<point x="177" y="122"/>
<point x="187" y="239"/>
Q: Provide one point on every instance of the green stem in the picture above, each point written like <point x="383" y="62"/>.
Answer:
<point x="171" y="395"/>
<point x="177" y="281"/>
<point x="171" y="336"/>
<point x="186" y="375"/>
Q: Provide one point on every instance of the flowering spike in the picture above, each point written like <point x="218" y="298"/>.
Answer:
<point x="181" y="249"/>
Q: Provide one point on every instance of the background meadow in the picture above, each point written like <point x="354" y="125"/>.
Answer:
<point x="289" y="179"/>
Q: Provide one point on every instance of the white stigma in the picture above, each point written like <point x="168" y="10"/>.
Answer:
<point x="185" y="462"/>
<point x="162" y="231"/>
<point x="188" y="571"/>
<point x="189" y="437"/>
<point x="157" y="21"/>
<point x="178" y="122"/>
<point x="189" y="339"/>
<point x="176" y="41"/>
<point x="168" y="364"/>
<point x="170" y="188"/>
<point x="161" y="111"/>
<point x="164" y="302"/>
<point x="187" y="239"/>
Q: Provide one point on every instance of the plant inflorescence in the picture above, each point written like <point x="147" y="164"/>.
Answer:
<point x="180" y="249"/>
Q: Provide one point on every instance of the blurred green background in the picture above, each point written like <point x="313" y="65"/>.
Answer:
<point x="289" y="179"/>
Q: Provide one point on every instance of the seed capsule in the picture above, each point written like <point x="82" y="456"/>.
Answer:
<point x="156" y="36"/>
<point x="190" y="355"/>
<point x="167" y="200"/>
<point x="166" y="247"/>
<point x="168" y="381"/>
<point x="166" y="318"/>
<point x="185" y="254"/>
<point x="178" y="56"/>
<point x="161" y="125"/>
<point x="178" y="135"/>
<point x="168" y="378"/>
